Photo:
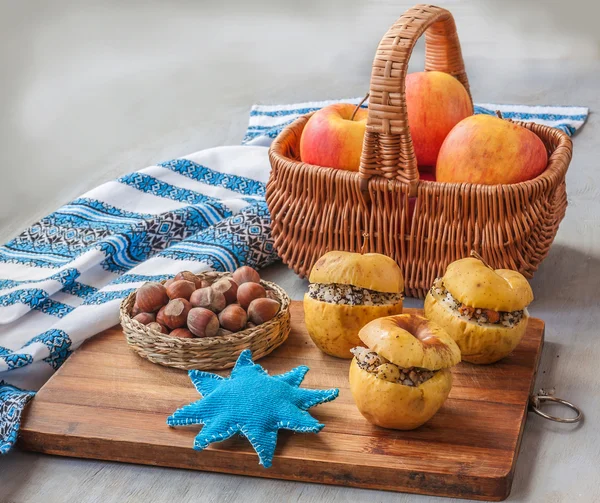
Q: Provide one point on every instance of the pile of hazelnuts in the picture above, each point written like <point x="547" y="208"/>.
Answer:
<point x="189" y="306"/>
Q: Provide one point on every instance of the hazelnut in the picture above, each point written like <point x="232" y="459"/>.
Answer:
<point x="246" y="274"/>
<point x="208" y="299"/>
<point x="202" y="322"/>
<point x="145" y="318"/>
<point x="233" y="318"/>
<point x="168" y="282"/>
<point x="135" y="310"/>
<point x="151" y="297"/>
<point x="189" y="276"/>
<point x="261" y="310"/>
<point x="174" y="314"/>
<point x="250" y="325"/>
<point x="227" y="287"/>
<point x="222" y="331"/>
<point x="184" y="333"/>
<point x="181" y="289"/>
<point x="158" y="327"/>
<point x="247" y="292"/>
<point x="160" y="316"/>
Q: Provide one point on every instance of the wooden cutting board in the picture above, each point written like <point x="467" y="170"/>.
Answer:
<point x="107" y="403"/>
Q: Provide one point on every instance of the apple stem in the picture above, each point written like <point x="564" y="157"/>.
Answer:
<point x="358" y="106"/>
<point x="479" y="257"/>
<point x="499" y="114"/>
<point x="364" y="243"/>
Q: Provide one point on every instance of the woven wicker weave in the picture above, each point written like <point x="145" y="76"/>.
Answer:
<point x="210" y="353"/>
<point x="317" y="209"/>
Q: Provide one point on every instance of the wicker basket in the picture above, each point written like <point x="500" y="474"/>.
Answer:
<point x="210" y="353"/>
<point x="317" y="209"/>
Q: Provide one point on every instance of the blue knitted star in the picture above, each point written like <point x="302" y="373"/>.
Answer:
<point x="252" y="403"/>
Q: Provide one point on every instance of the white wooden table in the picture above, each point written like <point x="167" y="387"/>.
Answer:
<point x="92" y="90"/>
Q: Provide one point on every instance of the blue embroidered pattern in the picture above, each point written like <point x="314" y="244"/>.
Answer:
<point x="37" y="299"/>
<point x="195" y="171"/>
<point x="12" y="403"/>
<point x="65" y="277"/>
<point x="101" y="210"/>
<point x="127" y="249"/>
<point x="151" y="185"/>
<point x="241" y="239"/>
<point x="15" y="360"/>
<point x="80" y="290"/>
<point x="58" y="343"/>
<point x="102" y="297"/>
<point x="137" y="278"/>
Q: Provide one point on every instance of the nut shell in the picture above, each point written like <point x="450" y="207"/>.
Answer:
<point x="202" y="322"/>
<point x="233" y="318"/>
<point x="247" y="292"/>
<point x="189" y="276"/>
<point x="228" y="288"/>
<point x="245" y="274"/>
<point x="183" y="333"/>
<point x="151" y="297"/>
<point x="174" y="314"/>
<point x="135" y="310"/>
<point x="181" y="289"/>
<point x="208" y="299"/>
<point x="145" y="318"/>
<point x="262" y="310"/>
<point x="158" y="327"/>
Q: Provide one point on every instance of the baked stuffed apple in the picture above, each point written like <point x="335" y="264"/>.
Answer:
<point x="346" y="291"/>
<point x="483" y="310"/>
<point x="402" y="378"/>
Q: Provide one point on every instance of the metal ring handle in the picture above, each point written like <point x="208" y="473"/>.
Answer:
<point x="538" y="400"/>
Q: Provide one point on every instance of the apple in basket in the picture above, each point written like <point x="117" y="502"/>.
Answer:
<point x="435" y="103"/>
<point x="489" y="150"/>
<point x="333" y="137"/>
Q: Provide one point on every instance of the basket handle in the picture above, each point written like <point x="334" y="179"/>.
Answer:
<point x="387" y="148"/>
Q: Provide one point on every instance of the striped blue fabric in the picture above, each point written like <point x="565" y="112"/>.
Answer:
<point x="267" y="121"/>
<point x="63" y="278"/>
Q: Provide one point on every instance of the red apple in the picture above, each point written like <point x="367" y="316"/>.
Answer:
<point x="332" y="139"/>
<point x="435" y="103"/>
<point x="427" y="174"/>
<point x="488" y="150"/>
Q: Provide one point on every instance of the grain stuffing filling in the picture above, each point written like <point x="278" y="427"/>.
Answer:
<point x="375" y="364"/>
<point x="337" y="293"/>
<point x="507" y="319"/>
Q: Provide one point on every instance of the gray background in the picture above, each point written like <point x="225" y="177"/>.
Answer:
<point x="92" y="90"/>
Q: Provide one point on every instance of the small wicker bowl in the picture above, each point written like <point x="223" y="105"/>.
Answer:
<point x="209" y="353"/>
